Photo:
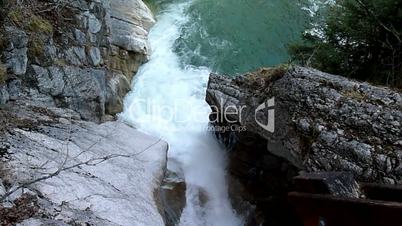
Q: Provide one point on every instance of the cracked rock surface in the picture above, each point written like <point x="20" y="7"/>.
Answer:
<point x="323" y="122"/>
<point x="110" y="174"/>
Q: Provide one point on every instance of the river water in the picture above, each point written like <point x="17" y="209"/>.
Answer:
<point x="191" y="39"/>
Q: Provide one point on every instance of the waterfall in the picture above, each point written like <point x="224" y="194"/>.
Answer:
<point x="167" y="100"/>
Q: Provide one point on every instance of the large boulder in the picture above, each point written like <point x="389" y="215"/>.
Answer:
<point x="323" y="122"/>
<point x="279" y="121"/>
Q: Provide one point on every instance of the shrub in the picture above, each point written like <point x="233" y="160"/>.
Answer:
<point x="360" y="39"/>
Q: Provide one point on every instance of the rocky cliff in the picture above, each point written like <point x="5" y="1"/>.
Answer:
<point x="322" y="122"/>
<point x="83" y="54"/>
<point x="65" y="66"/>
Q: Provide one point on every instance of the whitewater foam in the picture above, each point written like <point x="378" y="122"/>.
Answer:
<point x="167" y="100"/>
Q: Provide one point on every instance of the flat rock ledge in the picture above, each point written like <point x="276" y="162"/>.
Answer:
<point x="65" y="171"/>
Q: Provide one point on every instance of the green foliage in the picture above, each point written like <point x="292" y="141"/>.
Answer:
<point x="361" y="39"/>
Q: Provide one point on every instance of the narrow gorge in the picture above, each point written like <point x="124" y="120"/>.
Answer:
<point x="179" y="112"/>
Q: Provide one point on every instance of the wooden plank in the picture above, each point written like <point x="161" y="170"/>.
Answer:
<point x="382" y="192"/>
<point x="338" y="211"/>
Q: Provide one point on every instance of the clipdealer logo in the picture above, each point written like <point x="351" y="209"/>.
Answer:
<point x="268" y="106"/>
<point x="177" y="115"/>
<point x="234" y="115"/>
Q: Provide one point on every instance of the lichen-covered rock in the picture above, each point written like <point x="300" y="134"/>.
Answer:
<point x="50" y="81"/>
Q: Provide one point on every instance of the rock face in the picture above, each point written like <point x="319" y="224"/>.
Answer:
<point x="85" y="173"/>
<point x="63" y="69"/>
<point x="84" y="56"/>
<point x="130" y="28"/>
<point x="322" y="122"/>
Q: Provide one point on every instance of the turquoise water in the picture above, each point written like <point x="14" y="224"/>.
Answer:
<point x="189" y="40"/>
<point x="236" y="36"/>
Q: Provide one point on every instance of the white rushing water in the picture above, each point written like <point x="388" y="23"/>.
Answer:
<point x="168" y="101"/>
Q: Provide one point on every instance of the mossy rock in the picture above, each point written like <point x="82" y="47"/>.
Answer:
<point x="263" y="77"/>
<point x="16" y="16"/>
<point x="36" y="46"/>
<point x="39" y="25"/>
<point x="60" y="62"/>
<point x="32" y="23"/>
<point x="355" y="95"/>
<point x="3" y="73"/>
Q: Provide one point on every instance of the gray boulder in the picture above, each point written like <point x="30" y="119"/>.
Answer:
<point x="50" y="81"/>
<point x="283" y="122"/>
<point x="95" y="56"/>
<point x="16" y="50"/>
<point x="323" y="122"/>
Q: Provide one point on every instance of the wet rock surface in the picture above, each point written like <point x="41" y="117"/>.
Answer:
<point x="173" y="198"/>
